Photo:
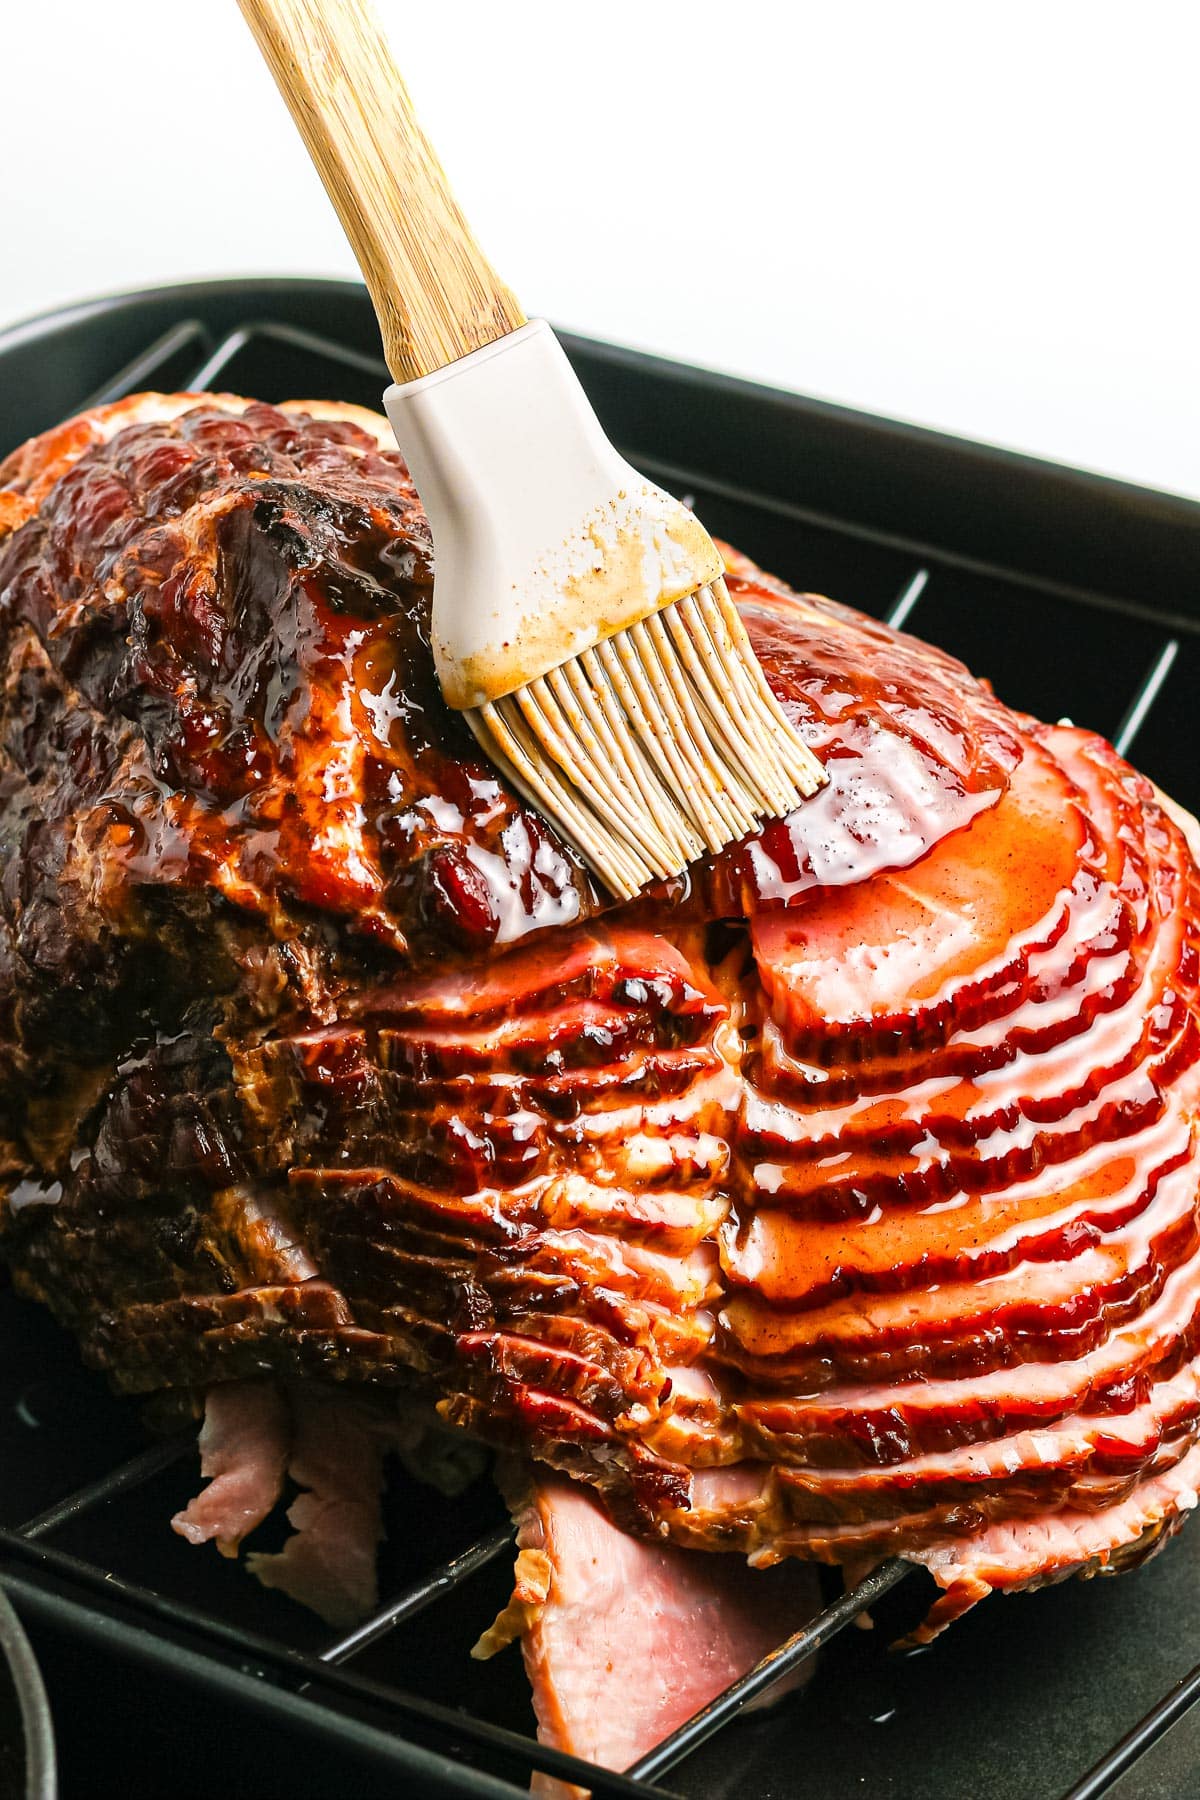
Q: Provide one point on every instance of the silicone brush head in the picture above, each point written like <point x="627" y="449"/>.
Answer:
<point x="661" y="742"/>
<point x="582" y="622"/>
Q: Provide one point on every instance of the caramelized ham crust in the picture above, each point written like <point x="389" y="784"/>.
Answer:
<point x="836" y="1200"/>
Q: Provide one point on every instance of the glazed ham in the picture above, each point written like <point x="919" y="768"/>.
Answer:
<point x="834" y="1201"/>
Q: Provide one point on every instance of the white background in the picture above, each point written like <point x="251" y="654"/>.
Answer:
<point x="978" y="215"/>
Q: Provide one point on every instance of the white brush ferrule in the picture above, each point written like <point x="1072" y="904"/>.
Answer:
<point x="546" y="540"/>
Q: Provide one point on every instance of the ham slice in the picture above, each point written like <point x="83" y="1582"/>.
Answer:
<point x="254" y="1435"/>
<point x="332" y="1445"/>
<point x="1029" y="1553"/>
<point x="336" y="1457"/>
<point x="624" y="1640"/>
<point x="244" y="1446"/>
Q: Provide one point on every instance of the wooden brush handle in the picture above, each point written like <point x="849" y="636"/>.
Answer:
<point x="436" y="296"/>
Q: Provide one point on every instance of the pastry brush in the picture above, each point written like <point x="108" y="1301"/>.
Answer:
<point x="581" y="620"/>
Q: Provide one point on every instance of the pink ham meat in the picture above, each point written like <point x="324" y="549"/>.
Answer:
<point x="332" y="1446"/>
<point x="624" y="1640"/>
<point x="254" y="1435"/>
<point x="244" y="1445"/>
<point x="336" y="1459"/>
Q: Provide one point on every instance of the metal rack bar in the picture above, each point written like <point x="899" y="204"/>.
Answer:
<point x="295" y="339"/>
<point x="436" y="1585"/>
<point x="290" y="1712"/>
<point x="771" y="1669"/>
<point x="908" y="597"/>
<point x="1139" y="707"/>
<point x="216" y="360"/>
<point x="1134" y="1745"/>
<point x="297" y="1666"/>
<point x="135" y="374"/>
<point x="126" y="1475"/>
<point x="676" y="478"/>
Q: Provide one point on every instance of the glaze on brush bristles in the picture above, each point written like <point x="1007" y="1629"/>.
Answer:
<point x="660" y="743"/>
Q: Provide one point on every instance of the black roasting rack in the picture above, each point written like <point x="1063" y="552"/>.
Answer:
<point x="170" y="1671"/>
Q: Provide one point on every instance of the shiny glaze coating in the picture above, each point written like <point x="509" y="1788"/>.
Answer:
<point x="248" y="591"/>
<point x="836" y="1199"/>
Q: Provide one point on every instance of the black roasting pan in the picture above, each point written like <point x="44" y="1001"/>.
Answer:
<point x="1078" y="596"/>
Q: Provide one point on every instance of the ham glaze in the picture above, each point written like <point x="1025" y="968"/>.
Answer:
<point x="834" y="1201"/>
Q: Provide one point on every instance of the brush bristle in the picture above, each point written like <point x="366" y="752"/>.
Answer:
<point x="656" y="745"/>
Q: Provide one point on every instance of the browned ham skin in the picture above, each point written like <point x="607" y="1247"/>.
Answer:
<point x="837" y="1199"/>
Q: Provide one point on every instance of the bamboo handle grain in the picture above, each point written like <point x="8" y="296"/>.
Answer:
<point x="435" y="294"/>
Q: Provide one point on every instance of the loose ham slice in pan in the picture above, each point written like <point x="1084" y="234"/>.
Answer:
<point x="245" y="1443"/>
<point x="624" y="1640"/>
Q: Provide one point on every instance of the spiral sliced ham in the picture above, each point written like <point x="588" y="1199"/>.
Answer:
<point x="836" y="1200"/>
